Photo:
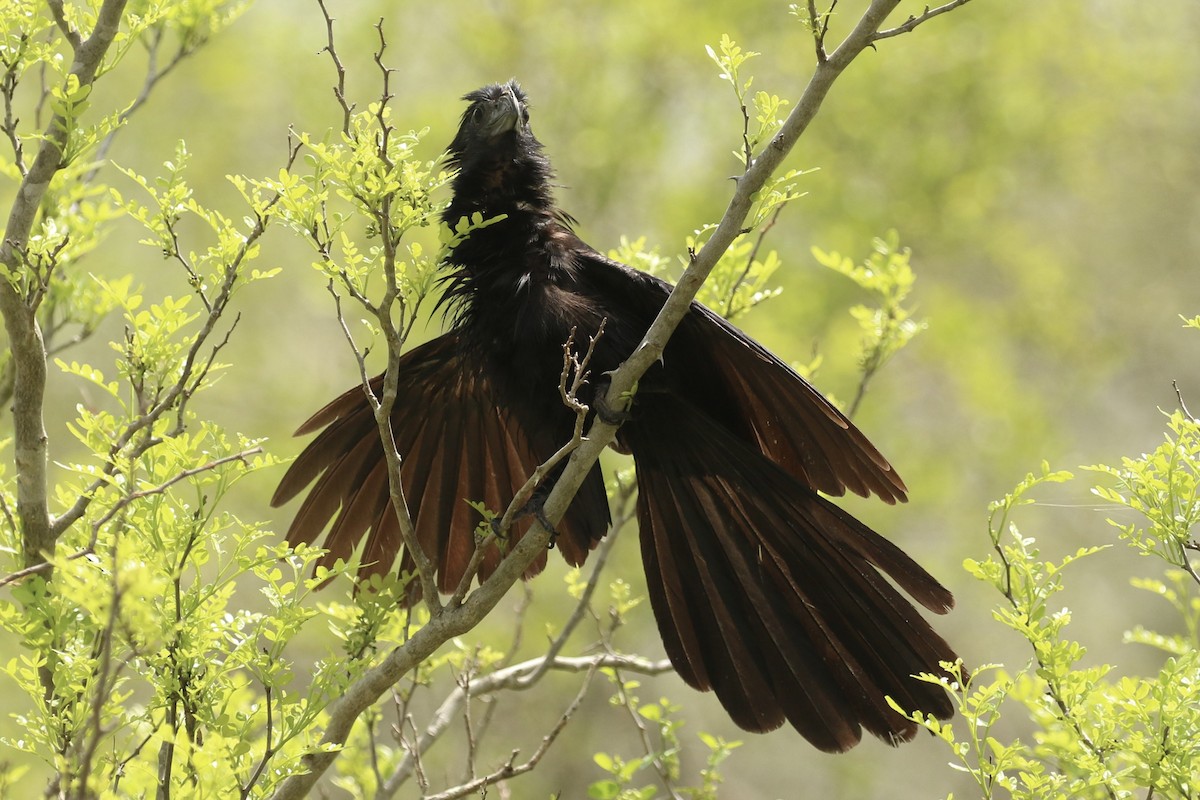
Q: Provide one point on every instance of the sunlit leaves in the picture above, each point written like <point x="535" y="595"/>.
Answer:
<point x="370" y="173"/>
<point x="1096" y="733"/>
<point x="886" y="273"/>
<point x="1163" y="487"/>
<point x="763" y="113"/>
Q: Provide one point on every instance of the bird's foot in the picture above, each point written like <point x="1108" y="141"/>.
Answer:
<point x="497" y="528"/>
<point x="533" y="508"/>
<point x="536" y="508"/>
<point x="606" y="413"/>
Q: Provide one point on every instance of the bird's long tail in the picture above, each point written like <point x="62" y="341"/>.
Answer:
<point x="774" y="598"/>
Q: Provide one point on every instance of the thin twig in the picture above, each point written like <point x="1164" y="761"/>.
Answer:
<point x="162" y="487"/>
<point x="154" y="75"/>
<point x="730" y="311"/>
<point x="339" y="89"/>
<point x="577" y="615"/>
<point x="103" y="679"/>
<point x="1182" y="405"/>
<point x="510" y="678"/>
<point x="8" y="88"/>
<point x="572" y="378"/>
<point x="268" y="748"/>
<point x="644" y="736"/>
<point x="510" y="769"/>
<point x="913" y="22"/>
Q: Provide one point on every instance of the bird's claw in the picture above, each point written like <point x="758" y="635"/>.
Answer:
<point x="533" y="509"/>
<point x="496" y="524"/>
<point x="607" y="413"/>
<point x="541" y="517"/>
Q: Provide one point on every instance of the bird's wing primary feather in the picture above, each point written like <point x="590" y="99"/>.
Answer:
<point x="457" y="443"/>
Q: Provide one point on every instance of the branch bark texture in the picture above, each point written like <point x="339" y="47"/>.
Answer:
<point x="19" y="308"/>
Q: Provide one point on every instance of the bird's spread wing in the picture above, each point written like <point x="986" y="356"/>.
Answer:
<point x="791" y="421"/>
<point x="739" y="384"/>
<point x="457" y="444"/>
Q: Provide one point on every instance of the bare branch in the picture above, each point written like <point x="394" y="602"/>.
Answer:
<point x="511" y="678"/>
<point x="599" y="559"/>
<point x="572" y="378"/>
<point x="154" y="75"/>
<point x="511" y="769"/>
<point x="913" y="22"/>
<point x="339" y="89"/>
<point x="33" y="569"/>
<point x="1182" y="405"/>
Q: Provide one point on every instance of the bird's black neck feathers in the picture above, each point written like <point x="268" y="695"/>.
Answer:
<point x="503" y="186"/>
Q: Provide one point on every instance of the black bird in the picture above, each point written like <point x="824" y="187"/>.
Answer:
<point x="764" y="591"/>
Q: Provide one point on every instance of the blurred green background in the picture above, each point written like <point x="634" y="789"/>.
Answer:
<point x="1041" y="160"/>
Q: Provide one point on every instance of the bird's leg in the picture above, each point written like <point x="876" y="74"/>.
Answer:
<point x="497" y="530"/>
<point x="604" y="411"/>
<point x="533" y="508"/>
<point x="539" y="514"/>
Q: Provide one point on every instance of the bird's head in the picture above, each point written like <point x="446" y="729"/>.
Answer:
<point x="501" y="166"/>
<point x="498" y="116"/>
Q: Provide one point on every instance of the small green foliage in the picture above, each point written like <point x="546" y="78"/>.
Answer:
<point x="730" y="59"/>
<point x="740" y="280"/>
<point x="762" y="114"/>
<point x="888" y="276"/>
<point x="137" y="662"/>
<point x="369" y="173"/>
<point x="1095" y="733"/>
<point x="1163" y="487"/>
<point x="660" y="762"/>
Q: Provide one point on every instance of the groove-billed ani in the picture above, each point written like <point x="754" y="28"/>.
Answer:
<point x="764" y="591"/>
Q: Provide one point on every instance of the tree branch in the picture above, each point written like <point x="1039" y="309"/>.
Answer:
<point x="20" y="320"/>
<point x="512" y="769"/>
<point x="515" y="678"/>
<point x="913" y="22"/>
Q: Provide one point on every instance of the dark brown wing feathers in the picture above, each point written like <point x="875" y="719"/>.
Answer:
<point x="456" y="445"/>
<point x="792" y="422"/>
<point x="770" y="595"/>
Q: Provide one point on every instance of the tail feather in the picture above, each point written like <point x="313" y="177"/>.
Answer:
<point x="718" y="618"/>
<point x="772" y="597"/>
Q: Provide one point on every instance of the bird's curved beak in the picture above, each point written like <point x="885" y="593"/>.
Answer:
<point x="506" y="114"/>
